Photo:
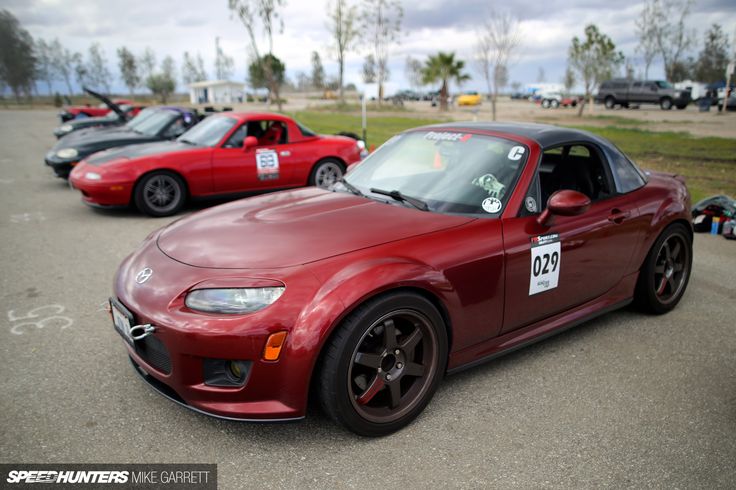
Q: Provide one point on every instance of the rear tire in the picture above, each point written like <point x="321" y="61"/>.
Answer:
<point x="160" y="194"/>
<point x="383" y="364"/>
<point x="666" y="271"/>
<point x="665" y="104"/>
<point x="554" y="104"/>
<point x="545" y="104"/>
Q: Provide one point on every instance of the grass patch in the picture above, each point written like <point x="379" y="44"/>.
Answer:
<point x="620" y="121"/>
<point x="356" y="107"/>
<point x="380" y="128"/>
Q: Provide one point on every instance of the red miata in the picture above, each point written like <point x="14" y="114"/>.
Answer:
<point x="447" y="247"/>
<point x="226" y="154"/>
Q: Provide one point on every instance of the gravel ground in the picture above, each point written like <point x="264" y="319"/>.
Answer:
<point x="627" y="400"/>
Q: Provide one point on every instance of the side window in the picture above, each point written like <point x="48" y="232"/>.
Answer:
<point x="175" y="129"/>
<point x="236" y="139"/>
<point x="268" y="132"/>
<point x="577" y="167"/>
<point x="625" y="174"/>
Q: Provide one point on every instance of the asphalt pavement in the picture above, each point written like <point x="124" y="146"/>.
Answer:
<point x="627" y="400"/>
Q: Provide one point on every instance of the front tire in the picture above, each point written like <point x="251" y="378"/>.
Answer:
<point x="326" y="172"/>
<point x="160" y="194"/>
<point x="383" y="364"/>
<point x="610" y="102"/>
<point x="666" y="271"/>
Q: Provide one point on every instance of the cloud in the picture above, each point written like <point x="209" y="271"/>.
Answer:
<point x="174" y="26"/>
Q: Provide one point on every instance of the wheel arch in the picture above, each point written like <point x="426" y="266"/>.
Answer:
<point x="348" y="306"/>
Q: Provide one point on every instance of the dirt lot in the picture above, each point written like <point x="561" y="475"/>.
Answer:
<point x="627" y="400"/>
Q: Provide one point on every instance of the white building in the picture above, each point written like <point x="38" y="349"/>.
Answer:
<point x="216" y="92"/>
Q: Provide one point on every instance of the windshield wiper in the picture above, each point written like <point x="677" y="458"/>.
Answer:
<point x="398" y="196"/>
<point x="350" y="187"/>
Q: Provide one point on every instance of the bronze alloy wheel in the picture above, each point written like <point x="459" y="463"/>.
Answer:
<point x="392" y="366"/>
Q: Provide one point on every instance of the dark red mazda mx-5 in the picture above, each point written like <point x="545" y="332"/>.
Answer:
<point x="448" y="246"/>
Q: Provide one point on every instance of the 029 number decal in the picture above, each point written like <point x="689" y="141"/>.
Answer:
<point x="546" y="258"/>
<point x="549" y="260"/>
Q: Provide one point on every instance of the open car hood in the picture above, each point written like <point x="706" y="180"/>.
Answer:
<point x="109" y="103"/>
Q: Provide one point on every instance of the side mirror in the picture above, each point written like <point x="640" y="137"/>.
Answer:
<point x="564" y="203"/>
<point x="249" y="142"/>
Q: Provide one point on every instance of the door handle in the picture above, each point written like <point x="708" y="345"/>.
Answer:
<point x="617" y="216"/>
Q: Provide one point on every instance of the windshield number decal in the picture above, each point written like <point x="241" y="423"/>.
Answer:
<point x="267" y="164"/>
<point x="546" y="256"/>
<point x="516" y="153"/>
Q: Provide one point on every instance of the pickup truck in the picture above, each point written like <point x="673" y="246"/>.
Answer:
<point x="628" y="93"/>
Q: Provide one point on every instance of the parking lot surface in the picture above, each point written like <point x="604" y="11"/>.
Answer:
<point x="627" y="400"/>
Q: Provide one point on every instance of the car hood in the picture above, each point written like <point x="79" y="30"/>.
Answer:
<point x="100" y="138"/>
<point x="290" y="228"/>
<point x="138" y="151"/>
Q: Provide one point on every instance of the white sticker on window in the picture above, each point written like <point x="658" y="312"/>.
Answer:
<point x="491" y="205"/>
<point x="545" y="266"/>
<point x="516" y="153"/>
<point x="267" y="164"/>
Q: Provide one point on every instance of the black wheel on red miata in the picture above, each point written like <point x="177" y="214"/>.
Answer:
<point x="383" y="364"/>
<point x="160" y="194"/>
<point x="666" y="271"/>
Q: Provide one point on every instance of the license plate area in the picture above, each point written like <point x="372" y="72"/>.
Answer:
<point x="122" y="320"/>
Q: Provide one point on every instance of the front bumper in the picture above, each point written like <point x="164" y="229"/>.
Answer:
<point x="62" y="168"/>
<point x="173" y="358"/>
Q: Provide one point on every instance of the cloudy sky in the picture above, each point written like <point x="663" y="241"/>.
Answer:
<point x="171" y="27"/>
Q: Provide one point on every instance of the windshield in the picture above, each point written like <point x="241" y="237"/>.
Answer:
<point x="662" y="84"/>
<point x="209" y="132"/>
<point x="142" y="116"/>
<point x="153" y="123"/>
<point x="451" y="172"/>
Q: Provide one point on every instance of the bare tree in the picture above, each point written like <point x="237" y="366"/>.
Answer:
<point x="318" y="72"/>
<point x="342" y="25"/>
<point x="568" y="80"/>
<point x="250" y="12"/>
<point x="99" y="74"/>
<point x="413" y="72"/>
<point x="63" y="61"/>
<point x="541" y="76"/>
<point x="667" y="30"/>
<point x="369" y="69"/>
<point x="498" y="39"/>
<point x="192" y="69"/>
<point x="645" y="33"/>
<point x="223" y="63"/>
<point x="128" y="69"/>
<point x="381" y="27"/>
<point x="146" y="66"/>
<point x="44" y="63"/>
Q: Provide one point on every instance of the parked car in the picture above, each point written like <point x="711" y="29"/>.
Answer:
<point x="82" y="111"/>
<point x="469" y="98"/>
<point x="447" y="247"/>
<point x="152" y="124"/>
<point x="627" y="93"/>
<point x="226" y="154"/>
<point x="118" y="115"/>
<point x="556" y="99"/>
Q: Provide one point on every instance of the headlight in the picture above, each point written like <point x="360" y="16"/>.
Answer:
<point x="66" y="128"/>
<point x="92" y="176"/>
<point x="233" y="301"/>
<point x="67" y="153"/>
<point x="361" y="144"/>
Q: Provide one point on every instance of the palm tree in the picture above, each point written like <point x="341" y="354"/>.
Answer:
<point x="443" y="67"/>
